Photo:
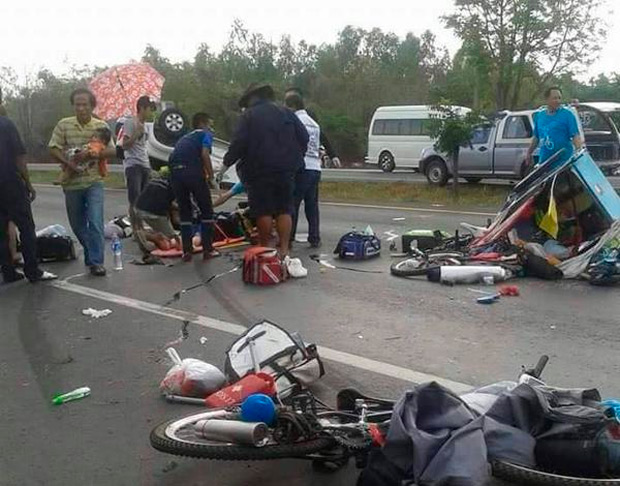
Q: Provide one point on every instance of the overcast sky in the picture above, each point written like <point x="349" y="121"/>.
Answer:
<point x="41" y="33"/>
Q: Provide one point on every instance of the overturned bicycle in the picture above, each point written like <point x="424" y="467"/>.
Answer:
<point x="522" y="431"/>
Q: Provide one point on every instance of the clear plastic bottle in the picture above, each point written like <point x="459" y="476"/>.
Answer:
<point x="117" y="250"/>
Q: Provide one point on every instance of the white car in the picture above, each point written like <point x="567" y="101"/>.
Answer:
<point x="169" y="127"/>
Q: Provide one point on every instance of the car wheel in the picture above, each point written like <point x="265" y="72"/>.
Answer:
<point x="386" y="162"/>
<point x="437" y="172"/>
<point x="473" y="180"/>
<point x="172" y="123"/>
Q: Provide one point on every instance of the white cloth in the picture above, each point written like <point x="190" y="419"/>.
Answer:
<point x="313" y="157"/>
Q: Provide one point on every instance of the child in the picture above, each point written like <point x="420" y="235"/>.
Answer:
<point x="97" y="143"/>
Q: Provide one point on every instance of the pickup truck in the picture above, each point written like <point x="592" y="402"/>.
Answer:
<point x="498" y="149"/>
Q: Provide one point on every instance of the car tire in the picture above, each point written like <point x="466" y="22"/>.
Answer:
<point x="437" y="172"/>
<point x="172" y="124"/>
<point x="473" y="180"/>
<point x="386" y="162"/>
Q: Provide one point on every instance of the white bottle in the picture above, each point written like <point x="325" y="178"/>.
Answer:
<point x="456" y="274"/>
<point x="117" y="250"/>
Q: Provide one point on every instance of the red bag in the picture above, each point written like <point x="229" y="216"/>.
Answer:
<point x="262" y="266"/>
<point x="237" y="392"/>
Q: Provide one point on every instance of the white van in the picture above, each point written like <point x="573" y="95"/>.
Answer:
<point x="398" y="134"/>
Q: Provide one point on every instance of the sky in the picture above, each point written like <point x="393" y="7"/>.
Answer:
<point x="38" y="33"/>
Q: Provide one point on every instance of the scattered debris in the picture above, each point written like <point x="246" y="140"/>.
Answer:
<point x="203" y="340"/>
<point x="184" y="335"/>
<point x="170" y="466"/>
<point x="177" y="295"/>
<point x="488" y="299"/>
<point x="552" y="327"/>
<point x="359" y="336"/>
<point x="399" y="219"/>
<point x="90" y="312"/>
<point x="76" y="394"/>
<point x="392" y="338"/>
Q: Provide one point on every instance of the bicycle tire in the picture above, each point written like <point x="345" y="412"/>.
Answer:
<point x="399" y="269"/>
<point x="524" y="475"/>
<point x="163" y="443"/>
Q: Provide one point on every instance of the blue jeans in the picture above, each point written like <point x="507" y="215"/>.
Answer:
<point x="307" y="190"/>
<point x="85" y="212"/>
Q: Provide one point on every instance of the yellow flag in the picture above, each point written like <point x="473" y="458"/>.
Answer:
<point x="549" y="222"/>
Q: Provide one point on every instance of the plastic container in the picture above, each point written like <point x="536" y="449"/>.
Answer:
<point x="258" y="408"/>
<point x="117" y="250"/>
<point x="76" y="394"/>
<point x="451" y="275"/>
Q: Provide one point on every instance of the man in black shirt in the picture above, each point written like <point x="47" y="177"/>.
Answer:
<point x="16" y="194"/>
<point x="269" y="143"/>
<point x="153" y="207"/>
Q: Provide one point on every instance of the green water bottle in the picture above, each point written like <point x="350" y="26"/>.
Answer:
<point x="76" y="394"/>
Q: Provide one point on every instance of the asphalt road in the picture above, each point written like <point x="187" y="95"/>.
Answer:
<point x="378" y="332"/>
<point x="355" y="175"/>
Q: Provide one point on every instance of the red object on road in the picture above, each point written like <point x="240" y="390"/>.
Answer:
<point x="487" y="257"/>
<point x="118" y="88"/>
<point x="509" y="291"/>
<point x="237" y="392"/>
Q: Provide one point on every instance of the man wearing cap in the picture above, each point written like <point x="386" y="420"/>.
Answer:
<point x="136" y="163"/>
<point x="83" y="184"/>
<point x="269" y="143"/>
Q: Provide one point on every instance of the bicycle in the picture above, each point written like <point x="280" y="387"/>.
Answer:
<point x="308" y="429"/>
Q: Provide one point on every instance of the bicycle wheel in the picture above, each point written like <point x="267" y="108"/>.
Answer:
<point x="411" y="267"/>
<point x="178" y="437"/>
<point x="524" y="475"/>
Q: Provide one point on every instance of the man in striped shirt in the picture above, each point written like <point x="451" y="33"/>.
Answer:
<point x="83" y="186"/>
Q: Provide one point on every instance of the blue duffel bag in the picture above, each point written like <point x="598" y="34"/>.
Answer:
<point x="358" y="246"/>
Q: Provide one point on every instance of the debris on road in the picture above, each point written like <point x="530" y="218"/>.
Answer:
<point x="203" y="340"/>
<point x="184" y="335"/>
<point x="96" y="314"/>
<point x="399" y="219"/>
<point x="191" y="377"/>
<point x="76" y="394"/>
<point x="170" y="466"/>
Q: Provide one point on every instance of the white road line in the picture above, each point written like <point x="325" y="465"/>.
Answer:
<point x="349" y="205"/>
<point x="341" y="357"/>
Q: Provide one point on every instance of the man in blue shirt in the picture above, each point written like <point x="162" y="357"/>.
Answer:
<point x="555" y="129"/>
<point x="191" y="171"/>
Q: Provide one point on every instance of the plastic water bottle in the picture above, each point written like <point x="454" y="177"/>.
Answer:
<point x="76" y="394"/>
<point x="117" y="249"/>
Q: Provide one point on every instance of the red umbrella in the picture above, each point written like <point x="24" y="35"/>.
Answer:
<point x="118" y="88"/>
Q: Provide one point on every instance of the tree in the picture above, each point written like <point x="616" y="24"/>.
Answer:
<point x="451" y="130"/>
<point x="548" y="37"/>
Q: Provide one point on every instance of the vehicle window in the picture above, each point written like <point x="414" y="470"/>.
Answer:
<point x="517" y="127"/>
<point x="426" y="127"/>
<point x="404" y="127"/>
<point x="481" y="135"/>
<point x="379" y="127"/>
<point x="391" y="127"/>
<point x="591" y="121"/>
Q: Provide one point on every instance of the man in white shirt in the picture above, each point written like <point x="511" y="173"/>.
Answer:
<point x="307" y="180"/>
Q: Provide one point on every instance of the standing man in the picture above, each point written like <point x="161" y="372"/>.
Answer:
<point x="16" y="194"/>
<point x="329" y="148"/>
<point x="136" y="162"/>
<point x="555" y="129"/>
<point x="191" y="172"/>
<point x="83" y="185"/>
<point x="307" y="180"/>
<point x="269" y="143"/>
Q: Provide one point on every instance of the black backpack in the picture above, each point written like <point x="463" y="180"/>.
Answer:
<point x="55" y="248"/>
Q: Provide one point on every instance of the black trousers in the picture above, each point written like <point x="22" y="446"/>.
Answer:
<point x="187" y="183"/>
<point x="15" y="206"/>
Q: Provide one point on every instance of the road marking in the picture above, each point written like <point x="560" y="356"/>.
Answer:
<point x="397" y="208"/>
<point x="330" y="354"/>
<point x="349" y="205"/>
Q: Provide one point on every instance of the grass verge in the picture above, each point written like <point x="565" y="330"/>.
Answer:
<point x="418" y="194"/>
<point x="386" y="193"/>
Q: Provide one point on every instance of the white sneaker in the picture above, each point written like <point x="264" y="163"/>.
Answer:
<point x="45" y="276"/>
<point x="295" y="268"/>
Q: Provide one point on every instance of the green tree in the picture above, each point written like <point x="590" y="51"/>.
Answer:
<point x="518" y="37"/>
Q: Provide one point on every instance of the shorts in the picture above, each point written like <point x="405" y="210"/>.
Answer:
<point x="271" y="195"/>
<point x="137" y="177"/>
